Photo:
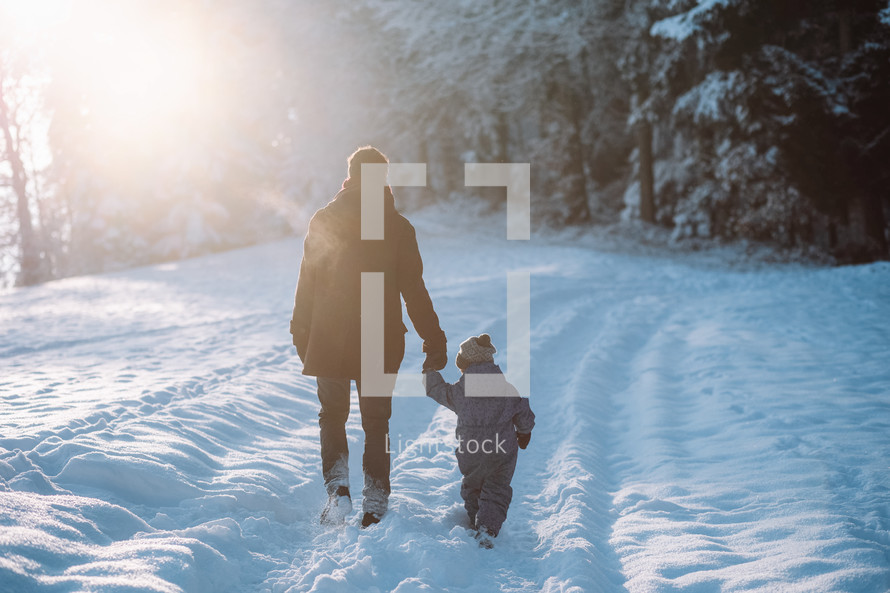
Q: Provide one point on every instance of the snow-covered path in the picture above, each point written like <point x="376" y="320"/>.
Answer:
<point x="698" y="429"/>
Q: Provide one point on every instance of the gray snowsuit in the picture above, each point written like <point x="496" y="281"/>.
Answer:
<point x="487" y="445"/>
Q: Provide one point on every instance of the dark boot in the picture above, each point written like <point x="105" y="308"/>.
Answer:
<point x="370" y="519"/>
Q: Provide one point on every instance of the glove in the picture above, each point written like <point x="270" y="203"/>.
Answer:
<point x="523" y="438"/>
<point x="435" y="361"/>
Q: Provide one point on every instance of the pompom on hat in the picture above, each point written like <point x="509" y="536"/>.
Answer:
<point x="474" y="350"/>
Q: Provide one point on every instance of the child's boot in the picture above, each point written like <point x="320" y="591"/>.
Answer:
<point x="485" y="537"/>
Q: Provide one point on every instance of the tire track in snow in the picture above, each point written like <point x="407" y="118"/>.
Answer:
<point x="198" y="433"/>
<point x="203" y="421"/>
<point x="149" y="402"/>
<point x="573" y="515"/>
<point x="216" y="463"/>
<point x="659" y="421"/>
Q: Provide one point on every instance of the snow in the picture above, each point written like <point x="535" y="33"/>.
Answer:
<point x="700" y="426"/>
<point x="681" y="26"/>
<point x="711" y="101"/>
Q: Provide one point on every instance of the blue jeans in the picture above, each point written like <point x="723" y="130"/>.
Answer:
<point x="333" y="394"/>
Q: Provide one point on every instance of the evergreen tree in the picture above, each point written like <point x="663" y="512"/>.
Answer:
<point x="770" y="102"/>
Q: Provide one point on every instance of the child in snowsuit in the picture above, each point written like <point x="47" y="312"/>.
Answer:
<point x="491" y="425"/>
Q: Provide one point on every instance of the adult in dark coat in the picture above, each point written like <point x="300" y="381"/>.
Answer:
<point x="326" y="328"/>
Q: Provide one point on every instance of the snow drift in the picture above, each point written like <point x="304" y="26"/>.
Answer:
<point x="699" y="429"/>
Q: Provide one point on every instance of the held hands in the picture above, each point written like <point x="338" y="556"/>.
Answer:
<point x="523" y="438"/>
<point x="435" y="361"/>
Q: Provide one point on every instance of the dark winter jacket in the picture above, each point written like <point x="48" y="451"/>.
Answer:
<point x="481" y="418"/>
<point x="326" y="323"/>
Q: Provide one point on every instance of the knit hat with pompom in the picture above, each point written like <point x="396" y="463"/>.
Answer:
<point x="475" y="350"/>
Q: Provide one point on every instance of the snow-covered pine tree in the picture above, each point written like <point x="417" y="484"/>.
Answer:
<point x="759" y="116"/>
<point x="503" y="81"/>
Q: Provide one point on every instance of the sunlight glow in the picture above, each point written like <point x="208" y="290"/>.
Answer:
<point x="133" y="70"/>
<point x="29" y="17"/>
<point x="141" y="75"/>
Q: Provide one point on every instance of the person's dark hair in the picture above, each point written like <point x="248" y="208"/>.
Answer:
<point x="364" y="154"/>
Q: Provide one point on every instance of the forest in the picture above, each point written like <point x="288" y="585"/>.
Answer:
<point x="137" y="131"/>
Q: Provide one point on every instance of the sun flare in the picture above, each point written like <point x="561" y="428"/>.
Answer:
<point x="30" y="17"/>
<point x="132" y="69"/>
<point x="141" y="74"/>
